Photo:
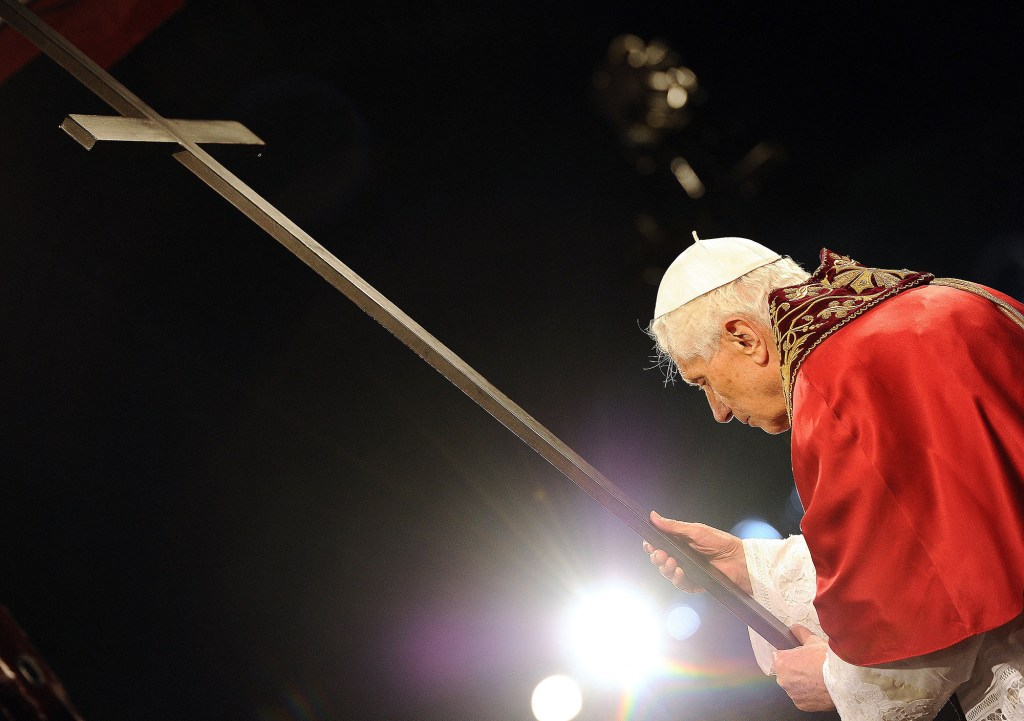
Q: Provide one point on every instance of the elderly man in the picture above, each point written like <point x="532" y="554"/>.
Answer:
<point x="905" y="398"/>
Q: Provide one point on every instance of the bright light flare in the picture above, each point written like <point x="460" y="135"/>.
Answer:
<point x="682" y="622"/>
<point x="755" y="528"/>
<point x="616" y="636"/>
<point x="556" y="698"/>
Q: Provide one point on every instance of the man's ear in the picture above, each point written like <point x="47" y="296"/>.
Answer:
<point x="747" y="338"/>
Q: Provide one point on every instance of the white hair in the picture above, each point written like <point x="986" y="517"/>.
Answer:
<point x="694" y="330"/>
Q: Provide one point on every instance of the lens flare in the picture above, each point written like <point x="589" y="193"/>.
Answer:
<point x="755" y="528"/>
<point x="682" y="622"/>
<point x="615" y="636"/>
<point x="556" y="698"/>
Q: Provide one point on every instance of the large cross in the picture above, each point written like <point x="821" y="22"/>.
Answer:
<point x="140" y="123"/>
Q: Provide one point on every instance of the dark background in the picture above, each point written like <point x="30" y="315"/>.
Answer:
<point x="228" y="494"/>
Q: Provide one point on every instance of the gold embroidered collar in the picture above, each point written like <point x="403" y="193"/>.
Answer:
<point x="838" y="292"/>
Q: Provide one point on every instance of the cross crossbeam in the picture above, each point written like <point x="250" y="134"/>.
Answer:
<point x="89" y="130"/>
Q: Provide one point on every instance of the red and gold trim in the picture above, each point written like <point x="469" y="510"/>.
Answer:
<point x="838" y="292"/>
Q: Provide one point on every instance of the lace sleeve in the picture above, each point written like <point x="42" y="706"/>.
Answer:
<point x="911" y="690"/>
<point x="782" y="580"/>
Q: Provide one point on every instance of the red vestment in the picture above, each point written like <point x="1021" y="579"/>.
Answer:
<point x="908" y="454"/>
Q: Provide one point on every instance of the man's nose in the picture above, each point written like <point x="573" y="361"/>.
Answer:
<point x="721" y="412"/>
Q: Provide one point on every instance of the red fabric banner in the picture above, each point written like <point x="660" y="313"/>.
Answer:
<point x="105" y="30"/>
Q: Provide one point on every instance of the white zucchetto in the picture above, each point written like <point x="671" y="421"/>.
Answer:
<point x="706" y="265"/>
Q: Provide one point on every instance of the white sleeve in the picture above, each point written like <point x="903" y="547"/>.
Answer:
<point x="910" y="690"/>
<point x="782" y="580"/>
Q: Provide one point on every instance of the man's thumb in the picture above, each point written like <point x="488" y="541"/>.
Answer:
<point x="804" y="635"/>
<point x="666" y="524"/>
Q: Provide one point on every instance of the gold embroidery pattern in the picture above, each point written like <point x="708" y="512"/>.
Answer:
<point x="838" y="292"/>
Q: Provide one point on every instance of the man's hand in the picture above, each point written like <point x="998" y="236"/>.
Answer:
<point x="799" y="672"/>
<point x="723" y="550"/>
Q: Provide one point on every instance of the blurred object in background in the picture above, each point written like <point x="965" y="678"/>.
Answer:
<point x="646" y="92"/>
<point x="677" y="140"/>
<point x="664" y="121"/>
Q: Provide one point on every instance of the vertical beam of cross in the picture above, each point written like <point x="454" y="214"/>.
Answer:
<point x="302" y="245"/>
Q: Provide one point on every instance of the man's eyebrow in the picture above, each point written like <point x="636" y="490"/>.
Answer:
<point x="690" y="382"/>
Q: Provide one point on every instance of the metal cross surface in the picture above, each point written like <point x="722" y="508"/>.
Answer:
<point x="142" y="123"/>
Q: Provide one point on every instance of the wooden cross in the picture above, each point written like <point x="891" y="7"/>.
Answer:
<point x="140" y="123"/>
